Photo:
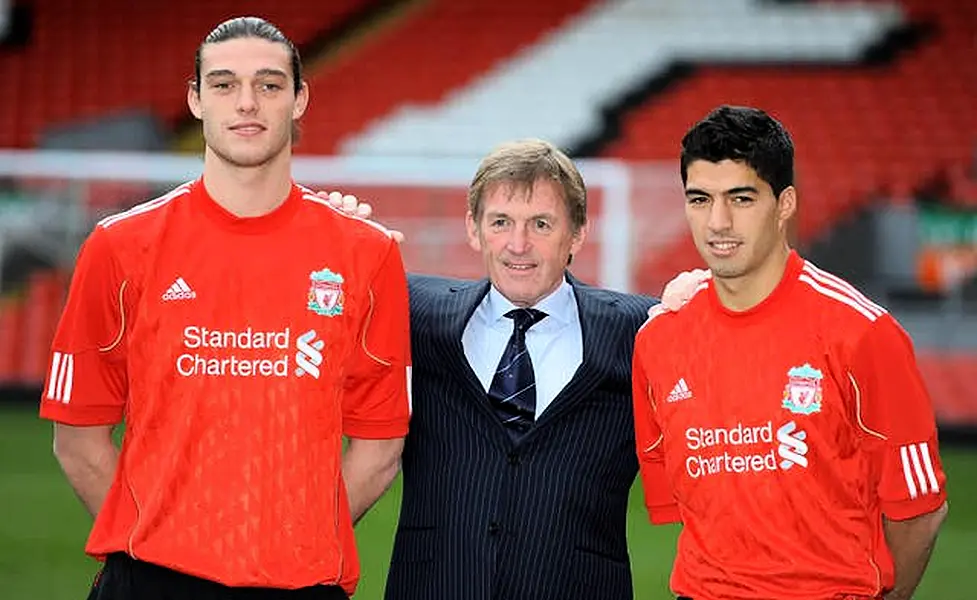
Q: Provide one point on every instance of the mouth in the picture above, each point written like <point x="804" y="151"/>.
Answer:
<point x="723" y="248"/>
<point x="247" y="129"/>
<point x="519" y="267"/>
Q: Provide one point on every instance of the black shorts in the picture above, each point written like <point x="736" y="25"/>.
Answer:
<point x="124" y="578"/>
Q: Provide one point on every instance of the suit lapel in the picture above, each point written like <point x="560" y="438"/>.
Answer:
<point x="460" y="304"/>
<point x="599" y="330"/>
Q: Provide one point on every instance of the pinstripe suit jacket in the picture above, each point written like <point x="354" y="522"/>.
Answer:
<point x="483" y="518"/>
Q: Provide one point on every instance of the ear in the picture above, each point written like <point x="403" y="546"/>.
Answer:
<point x="472" y="228"/>
<point x="578" y="238"/>
<point x="193" y="100"/>
<point x="301" y="102"/>
<point x="786" y="207"/>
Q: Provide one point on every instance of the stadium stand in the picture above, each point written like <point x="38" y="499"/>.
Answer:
<point x="879" y="96"/>
<point x="89" y="58"/>
<point x="557" y="88"/>
<point x="862" y="133"/>
<point x="442" y="46"/>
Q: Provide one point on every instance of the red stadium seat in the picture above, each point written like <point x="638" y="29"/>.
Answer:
<point x="951" y="379"/>
<point x="92" y="57"/>
<point x="861" y="132"/>
<point x="440" y="47"/>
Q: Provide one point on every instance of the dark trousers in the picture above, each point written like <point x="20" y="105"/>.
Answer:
<point x="124" y="578"/>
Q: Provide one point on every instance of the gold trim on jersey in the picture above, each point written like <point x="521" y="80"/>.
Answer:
<point x="366" y="327"/>
<point x="858" y="410"/>
<point x="122" y="313"/>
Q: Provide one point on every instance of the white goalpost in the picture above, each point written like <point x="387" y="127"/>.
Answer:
<point x="424" y="197"/>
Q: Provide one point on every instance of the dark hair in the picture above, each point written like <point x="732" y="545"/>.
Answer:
<point x="250" y="27"/>
<point x="746" y="135"/>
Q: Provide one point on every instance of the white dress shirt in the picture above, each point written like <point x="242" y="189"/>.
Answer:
<point x="555" y="344"/>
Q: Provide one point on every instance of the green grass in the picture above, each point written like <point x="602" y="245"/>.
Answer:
<point x="43" y="529"/>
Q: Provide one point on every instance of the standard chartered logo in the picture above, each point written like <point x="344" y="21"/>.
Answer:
<point x="744" y="449"/>
<point x="792" y="449"/>
<point x="308" y="357"/>
<point x="248" y="353"/>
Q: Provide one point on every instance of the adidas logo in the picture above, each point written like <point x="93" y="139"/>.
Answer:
<point x="179" y="291"/>
<point x="681" y="391"/>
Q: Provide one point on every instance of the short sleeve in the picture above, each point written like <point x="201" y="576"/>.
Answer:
<point x="86" y="381"/>
<point x="896" y="416"/>
<point x="376" y="404"/>
<point x="659" y="499"/>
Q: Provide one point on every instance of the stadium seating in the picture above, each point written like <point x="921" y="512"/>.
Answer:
<point x="952" y="381"/>
<point x="450" y="77"/>
<point x="440" y="46"/>
<point x="962" y="186"/>
<point x="557" y="88"/>
<point x="28" y="319"/>
<point x="92" y="57"/>
<point x="862" y="133"/>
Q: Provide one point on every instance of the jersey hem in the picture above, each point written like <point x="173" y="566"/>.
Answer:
<point x="80" y="416"/>
<point x="376" y="430"/>
<point x="664" y="515"/>
<point x="909" y="509"/>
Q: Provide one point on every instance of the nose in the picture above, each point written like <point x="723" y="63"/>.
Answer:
<point x="247" y="101"/>
<point x="519" y="240"/>
<point x="720" y="217"/>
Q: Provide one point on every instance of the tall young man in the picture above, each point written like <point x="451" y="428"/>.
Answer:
<point x="780" y="415"/>
<point x="241" y="327"/>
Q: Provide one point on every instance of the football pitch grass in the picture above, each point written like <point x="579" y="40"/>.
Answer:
<point x="43" y="528"/>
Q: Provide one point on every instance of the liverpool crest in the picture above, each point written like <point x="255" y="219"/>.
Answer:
<point x="802" y="395"/>
<point x="326" y="293"/>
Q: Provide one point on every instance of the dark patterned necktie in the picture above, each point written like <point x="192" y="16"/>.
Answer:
<point x="513" y="389"/>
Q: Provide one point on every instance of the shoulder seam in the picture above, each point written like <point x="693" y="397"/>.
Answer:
<point x="145" y="207"/>
<point x="837" y="289"/>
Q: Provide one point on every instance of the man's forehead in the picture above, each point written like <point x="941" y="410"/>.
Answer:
<point x="540" y="191"/>
<point x="245" y="56"/>
<point x="721" y="176"/>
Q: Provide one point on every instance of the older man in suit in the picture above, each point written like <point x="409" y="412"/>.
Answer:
<point x="521" y="454"/>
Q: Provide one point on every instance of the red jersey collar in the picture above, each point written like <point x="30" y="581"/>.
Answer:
<point x="792" y="271"/>
<point x="204" y="203"/>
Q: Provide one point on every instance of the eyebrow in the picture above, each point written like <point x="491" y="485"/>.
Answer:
<point x="271" y="72"/>
<point x="259" y="73"/>
<point x="218" y="73"/>
<point x="745" y="189"/>
<point x="500" y="214"/>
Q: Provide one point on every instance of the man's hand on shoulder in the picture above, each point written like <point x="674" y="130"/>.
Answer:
<point x="351" y="205"/>
<point x="679" y="291"/>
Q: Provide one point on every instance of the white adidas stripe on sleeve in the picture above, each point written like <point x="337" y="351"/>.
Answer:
<point x="61" y="377"/>
<point x="917" y="469"/>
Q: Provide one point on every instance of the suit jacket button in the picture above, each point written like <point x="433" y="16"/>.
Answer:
<point x="494" y="528"/>
<point x="513" y="458"/>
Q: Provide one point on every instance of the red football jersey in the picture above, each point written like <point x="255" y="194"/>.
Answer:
<point x="239" y="351"/>
<point x="779" y="436"/>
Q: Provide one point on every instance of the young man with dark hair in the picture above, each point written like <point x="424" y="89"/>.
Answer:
<point x="780" y="415"/>
<point x="240" y="349"/>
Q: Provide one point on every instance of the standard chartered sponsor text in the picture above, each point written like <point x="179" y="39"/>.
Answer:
<point x="218" y="362"/>
<point x="705" y="464"/>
